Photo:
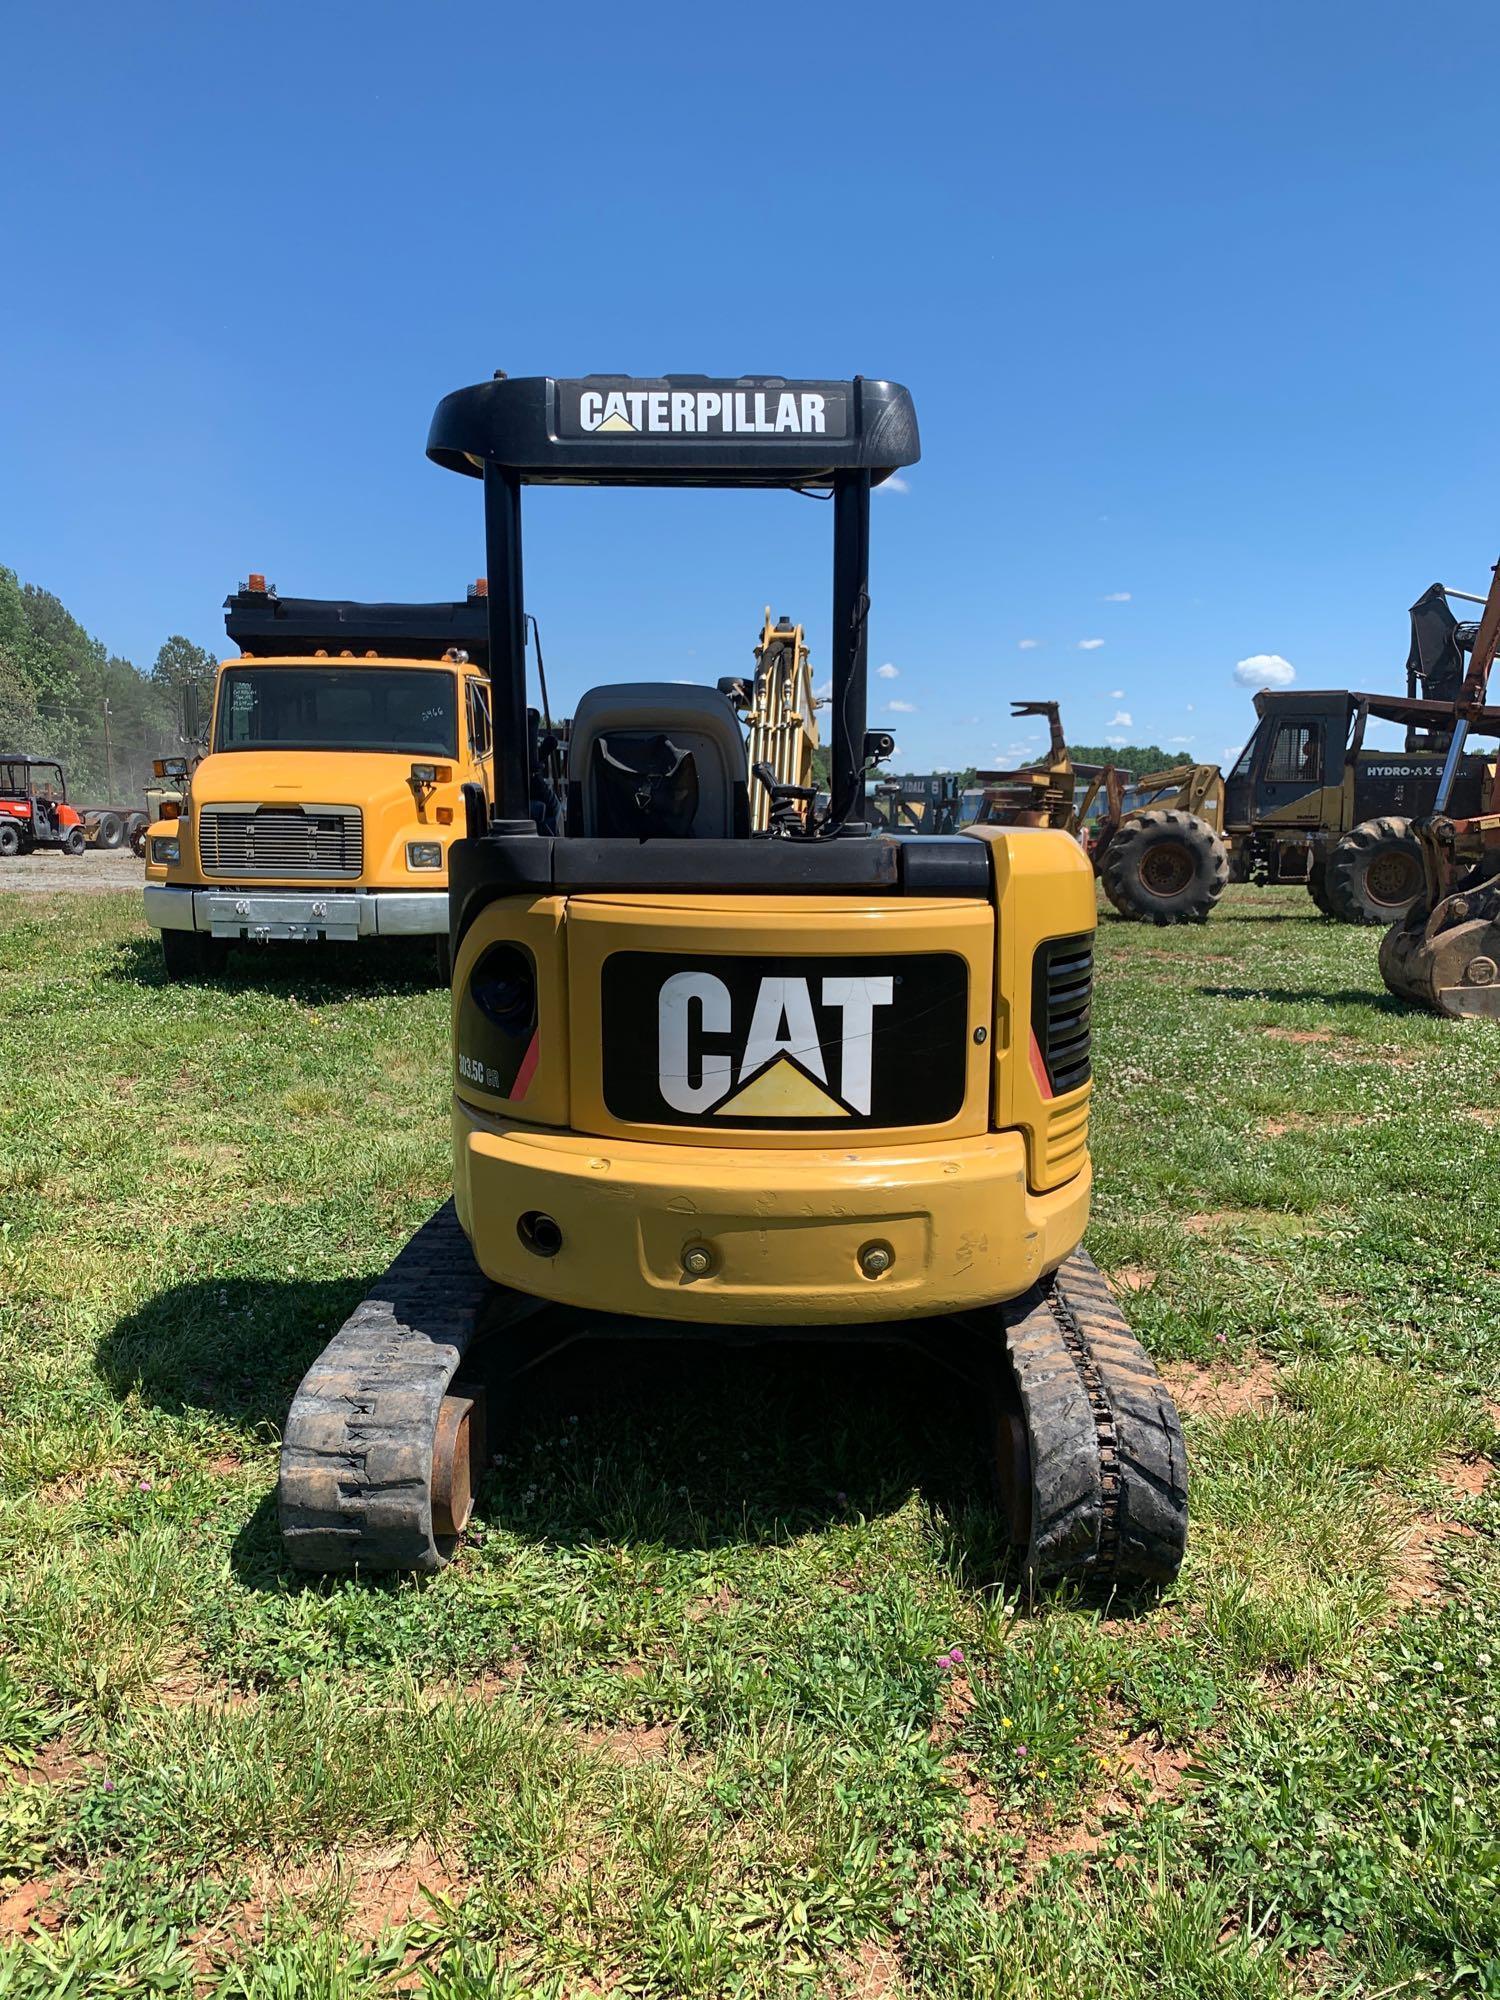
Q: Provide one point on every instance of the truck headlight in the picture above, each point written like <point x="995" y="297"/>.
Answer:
<point x="424" y="854"/>
<point x="165" y="850"/>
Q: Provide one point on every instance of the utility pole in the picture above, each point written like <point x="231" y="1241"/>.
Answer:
<point x="109" y="758"/>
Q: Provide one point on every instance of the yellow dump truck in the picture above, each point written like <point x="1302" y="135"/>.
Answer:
<point x="341" y="738"/>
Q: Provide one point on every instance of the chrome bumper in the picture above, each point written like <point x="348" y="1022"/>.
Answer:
<point x="339" y="914"/>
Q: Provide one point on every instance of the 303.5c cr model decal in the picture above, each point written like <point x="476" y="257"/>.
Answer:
<point x="791" y="1043"/>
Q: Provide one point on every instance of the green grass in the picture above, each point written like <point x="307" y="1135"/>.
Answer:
<point x="677" y="1722"/>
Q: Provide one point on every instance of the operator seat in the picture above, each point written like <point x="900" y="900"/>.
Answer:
<point x="655" y="759"/>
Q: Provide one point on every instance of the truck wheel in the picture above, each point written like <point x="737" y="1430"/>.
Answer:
<point x="111" y="830"/>
<point x="10" y="838"/>
<point x="1317" y="887"/>
<point x="135" y="833"/>
<point x="193" y="955"/>
<point x="1165" y="867"/>
<point x="74" y="841"/>
<point x="1374" y="874"/>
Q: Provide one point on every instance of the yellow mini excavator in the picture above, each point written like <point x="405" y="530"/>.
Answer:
<point x="812" y="1079"/>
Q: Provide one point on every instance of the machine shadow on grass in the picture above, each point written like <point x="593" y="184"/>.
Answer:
<point x="677" y="1444"/>
<point x="320" y="973"/>
<point x="234" y="1348"/>
<point x="1349" y="997"/>
<point x="690" y="1445"/>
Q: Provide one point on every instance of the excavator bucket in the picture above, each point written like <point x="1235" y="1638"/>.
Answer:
<point x="1448" y="958"/>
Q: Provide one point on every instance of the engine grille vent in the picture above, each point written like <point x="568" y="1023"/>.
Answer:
<point x="1062" y="983"/>
<point x="285" y="842"/>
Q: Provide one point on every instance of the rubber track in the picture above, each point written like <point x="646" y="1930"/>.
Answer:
<point x="355" y="1490"/>
<point x="1108" y="1464"/>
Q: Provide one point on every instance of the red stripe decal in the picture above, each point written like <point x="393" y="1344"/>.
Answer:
<point x="1038" y="1067"/>
<point x="527" y="1070"/>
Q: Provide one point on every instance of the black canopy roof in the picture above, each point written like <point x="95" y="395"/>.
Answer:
<point x="676" y="430"/>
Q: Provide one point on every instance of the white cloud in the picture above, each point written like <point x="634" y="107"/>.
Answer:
<point x="1027" y="645"/>
<point x="901" y="707"/>
<point x="1117" y="694"/>
<point x="1089" y="645"/>
<point x="1116" y="597"/>
<point x="1265" y="670"/>
<point x="1189" y="708"/>
<point x="823" y="693"/>
<point x="1228" y="754"/>
<point x="1123" y="720"/>
<point x="895" y="484"/>
<point x="888" y="672"/>
<point x="1115" y="742"/>
<point x="1179" y="739"/>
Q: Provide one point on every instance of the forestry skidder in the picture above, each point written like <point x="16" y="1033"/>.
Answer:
<point x="1155" y="840"/>
<point x="821" y="1079"/>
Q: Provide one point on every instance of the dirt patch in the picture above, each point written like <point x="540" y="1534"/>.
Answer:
<point x="1160" y="1767"/>
<point x="52" y="874"/>
<point x="980" y="1810"/>
<point x="1418" y="1578"/>
<point x="1308" y="1121"/>
<point x="1133" y="1278"/>
<point x="719" y="1605"/>
<point x="1468" y="1476"/>
<point x="873" y="1972"/>
<point x="56" y="1763"/>
<point x="385" y="1888"/>
<point x="1301" y="1036"/>
<point x="1482" y="1114"/>
<point x="1222" y="1392"/>
<point x="1264" y="1222"/>
<point x="644" y="1744"/>
<point x="32" y="1906"/>
<point x="1042" y="1849"/>
<point x="1142" y="1769"/>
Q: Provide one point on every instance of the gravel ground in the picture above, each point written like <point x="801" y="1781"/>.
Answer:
<point x="38" y="874"/>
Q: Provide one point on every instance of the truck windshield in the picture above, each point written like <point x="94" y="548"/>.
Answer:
<point x="411" y="710"/>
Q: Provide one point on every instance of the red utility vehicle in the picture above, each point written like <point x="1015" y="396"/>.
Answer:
<point x="34" y="809"/>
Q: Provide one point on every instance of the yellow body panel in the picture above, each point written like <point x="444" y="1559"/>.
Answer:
<point x="783" y="1230"/>
<point x="971" y="1209"/>
<point x="375" y="782"/>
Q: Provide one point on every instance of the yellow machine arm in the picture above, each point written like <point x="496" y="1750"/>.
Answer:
<point x="782" y="715"/>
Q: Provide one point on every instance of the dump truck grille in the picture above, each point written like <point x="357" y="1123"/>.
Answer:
<point x="281" y="841"/>
<point x="1061" y="991"/>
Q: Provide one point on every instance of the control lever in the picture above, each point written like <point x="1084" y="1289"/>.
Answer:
<point x="785" y="800"/>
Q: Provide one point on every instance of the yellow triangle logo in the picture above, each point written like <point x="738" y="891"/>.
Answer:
<point x="617" y="423"/>
<point x="781" y="1090"/>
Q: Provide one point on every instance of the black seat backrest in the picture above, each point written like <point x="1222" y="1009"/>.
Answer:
<point x="655" y="759"/>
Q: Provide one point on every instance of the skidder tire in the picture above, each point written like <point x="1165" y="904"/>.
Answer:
<point x="1165" y="867"/>
<point x="1317" y="888"/>
<point x="1374" y="874"/>
<point x="193" y="955"/>
<point x="1108" y="1464"/>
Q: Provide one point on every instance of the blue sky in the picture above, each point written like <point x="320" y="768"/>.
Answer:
<point x="1195" y="304"/>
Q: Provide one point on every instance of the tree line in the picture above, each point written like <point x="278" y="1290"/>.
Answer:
<point x="63" y="694"/>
